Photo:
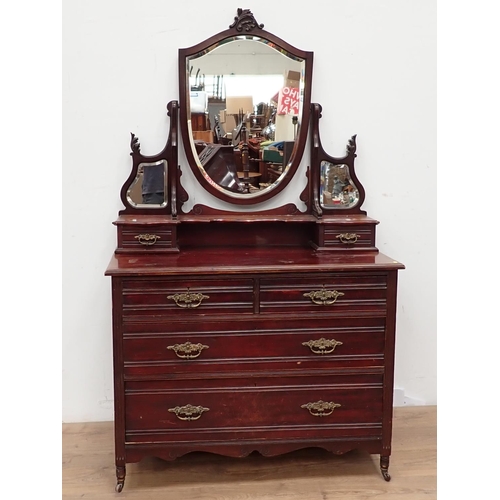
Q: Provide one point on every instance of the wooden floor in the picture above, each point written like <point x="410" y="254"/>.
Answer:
<point x="88" y="469"/>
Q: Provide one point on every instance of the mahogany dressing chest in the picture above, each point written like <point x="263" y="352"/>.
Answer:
<point x="249" y="329"/>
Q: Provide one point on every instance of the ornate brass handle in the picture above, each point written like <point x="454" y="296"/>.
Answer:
<point x="188" y="299"/>
<point x="324" y="297"/>
<point x="322" y="346"/>
<point x="187" y="350"/>
<point x="188" y="412"/>
<point x="321" y="408"/>
<point x="348" y="237"/>
<point x="147" y="239"/>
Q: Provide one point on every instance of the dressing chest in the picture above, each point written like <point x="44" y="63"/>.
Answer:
<point x="251" y="329"/>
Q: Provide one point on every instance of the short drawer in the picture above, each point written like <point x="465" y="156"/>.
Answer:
<point x="186" y="298"/>
<point x="146" y="238"/>
<point x="293" y="345"/>
<point x="353" y="400"/>
<point x="325" y="294"/>
<point x="344" y="237"/>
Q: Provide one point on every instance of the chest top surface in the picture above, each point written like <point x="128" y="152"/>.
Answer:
<point x="247" y="261"/>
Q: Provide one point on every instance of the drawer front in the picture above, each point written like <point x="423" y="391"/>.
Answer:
<point x="296" y="345"/>
<point x="147" y="238"/>
<point x="261" y="402"/>
<point x="186" y="298"/>
<point x="344" y="237"/>
<point x="325" y="294"/>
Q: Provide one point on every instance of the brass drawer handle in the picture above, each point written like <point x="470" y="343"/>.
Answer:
<point x="147" y="239"/>
<point x="321" y="408"/>
<point x="188" y="412"/>
<point x="187" y="350"/>
<point x="349" y="238"/>
<point x="324" y="297"/>
<point x="188" y="299"/>
<point x="322" y="346"/>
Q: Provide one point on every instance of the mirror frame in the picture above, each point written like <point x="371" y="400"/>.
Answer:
<point x="174" y="192"/>
<point x="245" y="24"/>
<point x="318" y="155"/>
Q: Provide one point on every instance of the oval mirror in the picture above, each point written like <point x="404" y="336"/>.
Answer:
<point x="244" y="105"/>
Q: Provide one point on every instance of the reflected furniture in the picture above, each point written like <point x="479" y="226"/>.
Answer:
<point x="237" y="331"/>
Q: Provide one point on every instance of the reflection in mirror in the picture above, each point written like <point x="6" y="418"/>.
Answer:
<point x="337" y="188"/>
<point x="149" y="187"/>
<point x="245" y="103"/>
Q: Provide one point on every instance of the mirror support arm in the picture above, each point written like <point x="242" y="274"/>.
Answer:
<point x="244" y="159"/>
<point x="168" y="154"/>
<point x="318" y="155"/>
<point x="315" y="159"/>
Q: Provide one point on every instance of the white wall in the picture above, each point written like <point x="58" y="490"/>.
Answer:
<point x="375" y="76"/>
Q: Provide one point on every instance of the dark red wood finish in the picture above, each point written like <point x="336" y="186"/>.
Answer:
<point x="329" y="231"/>
<point x="318" y="154"/>
<point x="253" y="371"/>
<point x="234" y="332"/>
<point x="248" y="261"/>
<point x="131" y="230"/>
<point x="170" y="155"/>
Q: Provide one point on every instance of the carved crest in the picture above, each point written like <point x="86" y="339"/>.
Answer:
<point x="351" y="146"/>
<point x="134" y="144"/>
<point x="245" y="21"/>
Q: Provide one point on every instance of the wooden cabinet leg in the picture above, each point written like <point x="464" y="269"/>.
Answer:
<point x="120" y="478"/>
<point x="384" y="467"/>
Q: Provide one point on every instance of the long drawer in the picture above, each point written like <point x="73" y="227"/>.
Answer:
<point x="170" y="410"/>
<point x="212" y="347"/>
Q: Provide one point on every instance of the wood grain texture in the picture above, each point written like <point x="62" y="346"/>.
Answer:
<point x="313" y="474"/>
<point x="250" y="261"/>
<point x="264" y="413"/>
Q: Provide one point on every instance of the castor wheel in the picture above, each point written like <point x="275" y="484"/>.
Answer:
<point x="384" y="468"/>
<point x="120" y="478"/>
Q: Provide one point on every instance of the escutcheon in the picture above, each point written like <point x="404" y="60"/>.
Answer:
<point x="324" y="297"/>
<point x="322" y="346"/>
<point x="188" y="412"/>
<point x="188" y="299"/>
<point x="187" y="350"/>
<point x="348" y="238"/>
<point x="147" y="239"/>
<point x="321" y="408"/>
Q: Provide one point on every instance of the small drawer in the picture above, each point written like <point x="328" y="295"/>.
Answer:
<point x="343" y="237"/>
<point x="346" y="293"/>
<point x="165" y="299"/>
<point x="261" y="402"/>
<point x="146" y="238"/>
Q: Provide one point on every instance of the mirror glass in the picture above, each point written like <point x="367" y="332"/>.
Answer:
<point x="337" y="189"/>
<point x="149" y="187"/>
<point x="244" y="89"/>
